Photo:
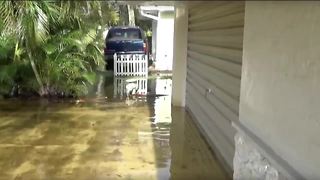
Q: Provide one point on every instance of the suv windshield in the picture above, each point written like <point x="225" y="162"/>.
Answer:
<point x="124" y="34"/>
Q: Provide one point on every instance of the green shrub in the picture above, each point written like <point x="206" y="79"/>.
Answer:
<point x="50" y="47"/>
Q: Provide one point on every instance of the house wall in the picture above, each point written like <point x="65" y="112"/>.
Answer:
<point x="280" y="83"/>
<point x="214" y="59"/>
<point x="154" y="38"/>
<point x="164" y="44"/>
<point x="179" y="66"/>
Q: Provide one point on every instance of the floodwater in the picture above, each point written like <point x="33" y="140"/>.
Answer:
<point x="109" y="136"/>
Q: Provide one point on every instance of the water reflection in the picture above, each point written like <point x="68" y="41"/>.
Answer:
<point x="126" y="87"/>
<point x="127" y="131"/>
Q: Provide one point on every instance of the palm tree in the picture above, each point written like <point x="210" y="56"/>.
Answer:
<point x="59" y="39"/>
<point x="29" y="20"/>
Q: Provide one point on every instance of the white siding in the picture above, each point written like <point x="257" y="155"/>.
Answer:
<point x="215" y="40"/>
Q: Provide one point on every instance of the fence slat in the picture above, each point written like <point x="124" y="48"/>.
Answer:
<point x="130" y="65"/>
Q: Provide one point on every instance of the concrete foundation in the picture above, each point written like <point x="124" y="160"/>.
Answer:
<point x="249" y="163"/>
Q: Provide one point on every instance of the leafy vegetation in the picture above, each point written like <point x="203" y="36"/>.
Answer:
<point x="51" y="48"/>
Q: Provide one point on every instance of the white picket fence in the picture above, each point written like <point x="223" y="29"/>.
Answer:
<point x="130" y="65"/>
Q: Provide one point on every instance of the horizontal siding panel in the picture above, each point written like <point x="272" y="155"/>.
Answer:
<point x="233" y="55"/>
<point x="221" y="106"/>
<point x="214" y="60"/>
<point x="229" y="89"/>
<point x="215" y="115"/>
<point x="233" y="20"/>
<point x="212" y="12"/>
<point x="211" y="71"/>
<point x="203" y="6"/>
<point x="237" y="31"/>
<point x="217" y="63"/>
<point x="226" y="150"/>
<point x="212" y="133"/>
<point x="216" y="71"/>
<point x="234" y="42"/>
<point x="225" y="99"/>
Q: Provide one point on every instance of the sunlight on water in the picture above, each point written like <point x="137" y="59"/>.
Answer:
<point x="128" y="131"/>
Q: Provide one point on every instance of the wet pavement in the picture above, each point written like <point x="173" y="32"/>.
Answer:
<point x="114" y="135"/>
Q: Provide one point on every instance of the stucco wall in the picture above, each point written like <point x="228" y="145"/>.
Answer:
<point x="280" y="86"/>
<point x="179" y="65"/>
<point x="164" y="47"/>
<point x="154" y="37"/>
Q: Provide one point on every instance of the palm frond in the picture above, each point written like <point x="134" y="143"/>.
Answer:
<point x="55" y="41"/>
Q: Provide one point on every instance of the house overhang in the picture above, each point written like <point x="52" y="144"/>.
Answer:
<point x="153" y="12"/>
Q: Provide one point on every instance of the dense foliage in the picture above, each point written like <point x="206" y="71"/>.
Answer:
<point x="51" y="48"/>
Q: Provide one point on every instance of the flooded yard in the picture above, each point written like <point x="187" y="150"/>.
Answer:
<point x="111" y="136"/>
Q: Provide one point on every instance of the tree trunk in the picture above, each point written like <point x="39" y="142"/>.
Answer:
<point x="123" y="13"/>
<point x="36" y="74"/>
<point x="100" y="87"/>
<point x="131" y="17"/>
<point x="88" y="8"/>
